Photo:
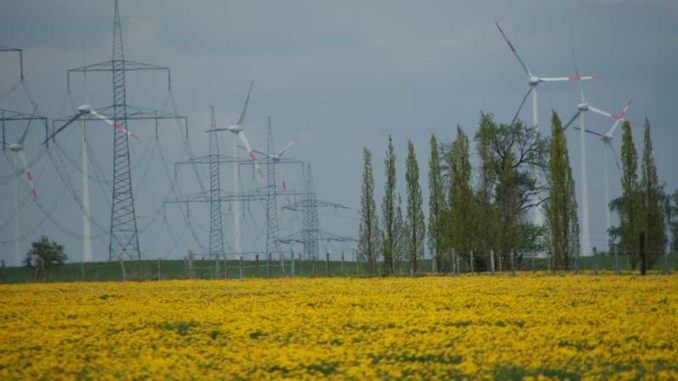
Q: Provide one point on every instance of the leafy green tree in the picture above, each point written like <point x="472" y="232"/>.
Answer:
<point x="415" y="215"/>
<point x="672" y="219"/>
<point x="630" y="202"/>
<point x="388" y="209"/>
<point x="368" y="243"/>
<point x="436" y="205"/>
<point x="561" y="205"/>
<point x="461" y="200"/>
<point x="512" y="160"/>
<point x="486" y="224"/>
<point x="652" y="203"/>
<point x="45" y="255"/>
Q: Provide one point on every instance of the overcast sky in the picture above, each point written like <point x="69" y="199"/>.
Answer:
<point x="344" y="74"/>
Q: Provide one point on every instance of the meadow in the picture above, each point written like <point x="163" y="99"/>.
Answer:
<point x="529" y="326"/>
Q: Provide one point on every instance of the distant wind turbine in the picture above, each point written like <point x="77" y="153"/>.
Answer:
<point x="534" y="81"/>
<point x="237" y="128"/>
<point x="582" y="107"/>
<point x="606" y="139"/>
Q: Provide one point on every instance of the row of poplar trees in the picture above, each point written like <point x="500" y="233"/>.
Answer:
<point x="480" y="219"/>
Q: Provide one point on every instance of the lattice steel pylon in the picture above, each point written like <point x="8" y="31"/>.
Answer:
<point x="310" y="215"/>
<point x="272" y="234"/>
<point x="124" y="236"/>
<point x="216" y="244"/>
<point x="311" y="235"/>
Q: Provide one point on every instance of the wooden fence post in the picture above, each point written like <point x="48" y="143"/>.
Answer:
<point x="327" y="263"/>
<point x="492" y="261"/>
<point x="268" y="264"/>
<point x="293" y="264"/>
<point x="256" y="265"/>
<point x="282" y="262"/>
<point x="189" y="258"/>
<point x="343" y="271"/>
<point x="471" y="261"/>
<point x="242" y="267"/>
<point x="595" y="258"/>
<point x="158" y="276"/>
<point x="122" y="267"/>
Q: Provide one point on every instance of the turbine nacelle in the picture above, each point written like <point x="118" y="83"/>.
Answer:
<point x="583" y="106"/>
<point x="533" y="80"/>
<point x="85" y="109"/>
<point x="16" y="147"/>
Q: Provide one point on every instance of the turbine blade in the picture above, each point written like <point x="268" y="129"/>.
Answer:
<point x="589" y="131"/>
<point x="575" y="77"/>
<point x="527" y="71"/>
<point x="27" y="171"/>
<point x="571" y="120"/>
<point x="289" y="145"/>
<point x="614" y="154"/>
<point x="253" y="150"/>
<point x="115" y="125"/>
<point x="515" y="117"/>
<point x="73" y="119"/>
<point x="619" y="118"/>
<point x="250" y="153"/>
<point x="601" y="112"/>
<point x="241" y="120"/>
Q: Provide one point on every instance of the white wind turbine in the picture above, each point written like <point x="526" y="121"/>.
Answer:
<point x="237" y="128"/>
<point x="582" y="108"/>
<point x="18" y="149"/>
<point x="83" y="110"/>
<point x="534" y="81"/>
<point x="606" y="139"/>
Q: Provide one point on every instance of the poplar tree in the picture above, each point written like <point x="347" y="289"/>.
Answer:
<point x="400" y="246"/>
<point x="486" y="216"/>
<point x="460" y="196"/>
<point x="652" y="203"/>
<point x="368" y="244"/>
<point x="415" y="215"/>
<point x="561" y="205"/>
<point x="388" y="209"/>
<point x="629" y="221"/>
<point x="436" y="205"/>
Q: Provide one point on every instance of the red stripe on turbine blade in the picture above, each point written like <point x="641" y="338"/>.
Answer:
<point x="284" y="184"/>
<point x="252" y="157"/>
<point x="575" y="78"/>
<point x="135" y="136"/>
<point x="29" y="175"/>
<point x="261" y="173"/>
<point x="35" y="194"/>
<point x="118" y="127"/>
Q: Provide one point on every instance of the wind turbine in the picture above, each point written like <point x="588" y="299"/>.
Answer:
<point x="18" y="149"/>
<point x="582" y="107"/>
<point x="84" y="110"/>
<point x="534" y="81"/>
<point x="237" y="128"/>
<point x="606" y="139"/>
<point x="272" y="161"/>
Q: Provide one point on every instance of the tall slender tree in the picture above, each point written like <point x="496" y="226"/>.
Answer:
<point x="415" y="215"/>
<point x="368" y="244"/>
<point x="388" y="209"/>
<point x="436" y="205"/>
<point x="460" y="197"/>
<point x="561" y="205"/>
<point x="400" y="247"/>
<point x="629" y="209"/>
<point x="652" y="203"/>
<point x="486" y="224"/>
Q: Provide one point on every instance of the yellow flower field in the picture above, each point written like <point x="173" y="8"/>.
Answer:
<point x="477" y="327"/>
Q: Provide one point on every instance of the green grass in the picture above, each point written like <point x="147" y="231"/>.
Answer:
<point x="205" y="269"/>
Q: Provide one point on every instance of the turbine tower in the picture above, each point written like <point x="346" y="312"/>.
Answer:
<point x="606" y="139"/>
